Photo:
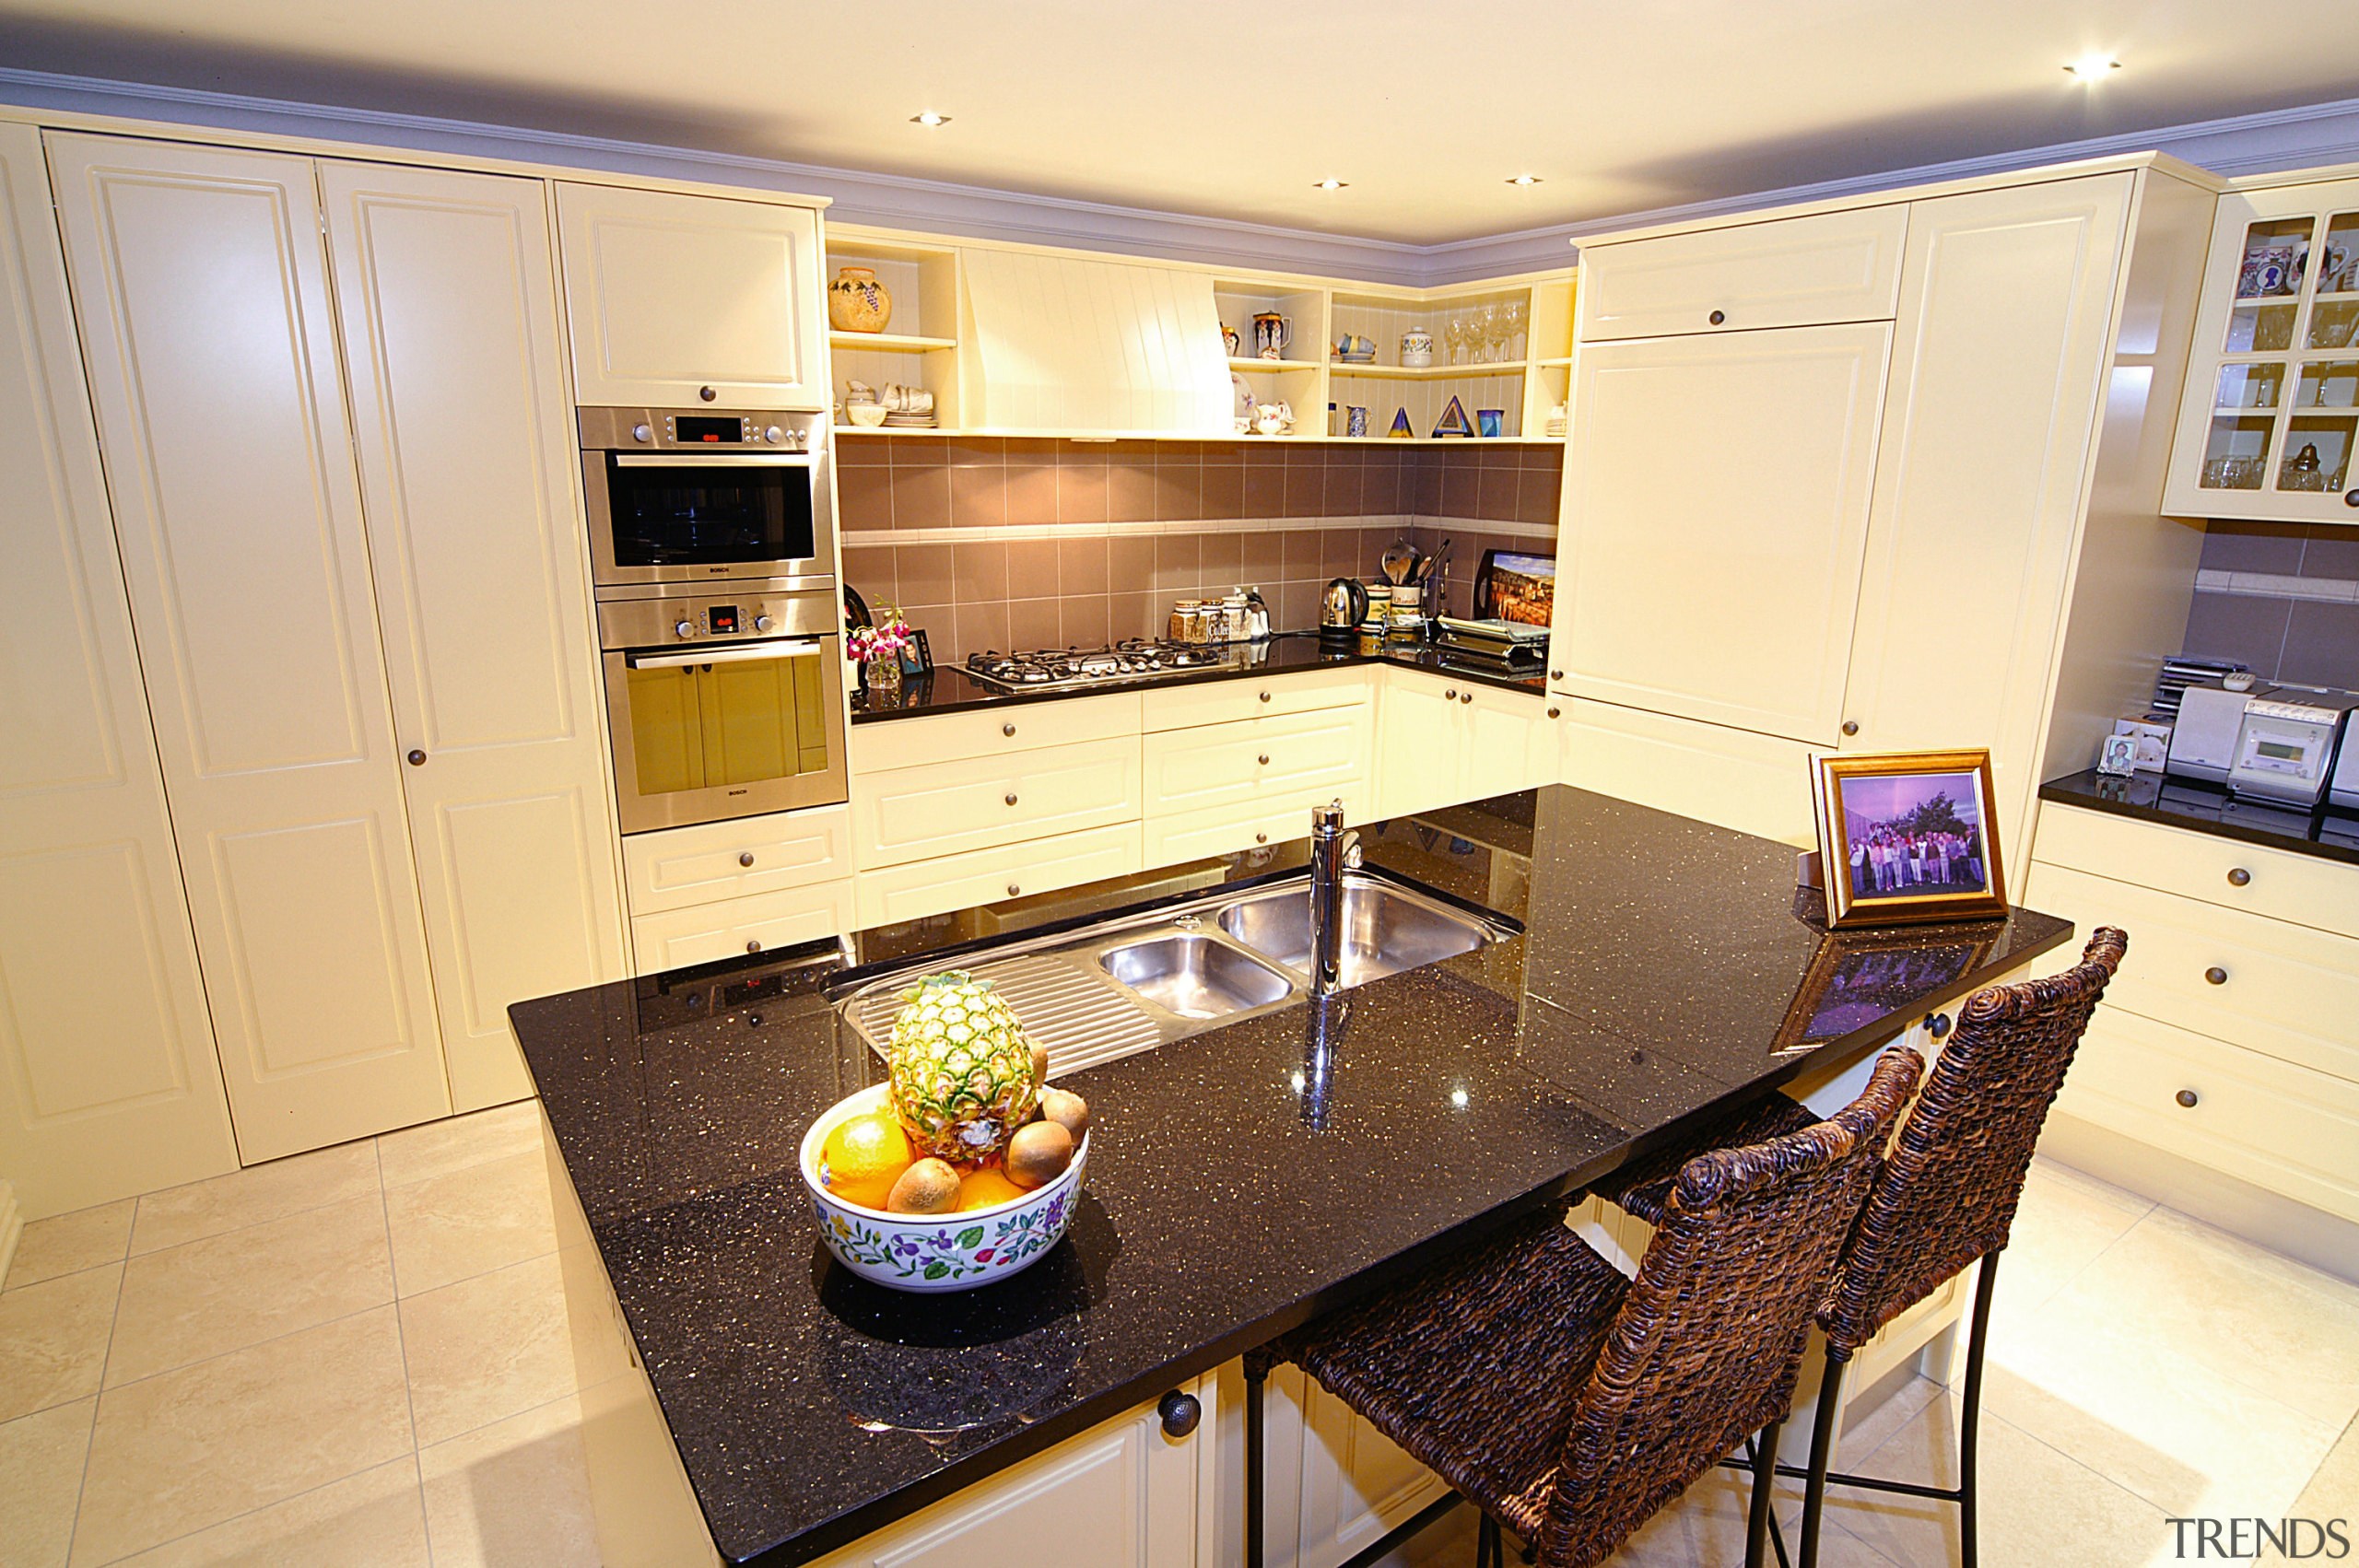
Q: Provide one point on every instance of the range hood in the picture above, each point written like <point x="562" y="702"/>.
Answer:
<point x="1070" y="342"/>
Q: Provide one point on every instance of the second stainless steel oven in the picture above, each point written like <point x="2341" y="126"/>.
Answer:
<point x="706" y="496"/>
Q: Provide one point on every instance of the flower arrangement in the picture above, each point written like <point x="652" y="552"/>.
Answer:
<point x="888" y="638"/>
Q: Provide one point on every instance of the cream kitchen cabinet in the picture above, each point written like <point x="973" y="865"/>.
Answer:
<point x="1234" y="765"/>
<point x="905" y="891"/>
<point x="729" y="927"/>
<point x="1756" y="784"/>
<point x="720" y="888"/>
<point x="1835" y="266"/>
<point x="109" y="1085"/>
<point x="940" y="808"/>
<point x="305" y="625"/>
<point x="675" y="299"/>
<point x="1440" y="741"/>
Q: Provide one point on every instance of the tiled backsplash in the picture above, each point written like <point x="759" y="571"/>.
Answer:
<point x="2283" y="597"/>
<point x="1031" y="543"/>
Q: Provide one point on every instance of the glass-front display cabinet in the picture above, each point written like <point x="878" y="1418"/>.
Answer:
<point x="2271" y="415"/>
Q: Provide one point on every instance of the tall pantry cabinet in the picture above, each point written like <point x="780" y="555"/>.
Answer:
<point x="108" y="1080"/>
<point x="364" y="637"/>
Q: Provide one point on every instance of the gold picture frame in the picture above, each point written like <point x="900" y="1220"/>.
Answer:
<point x="1906" y="836"/>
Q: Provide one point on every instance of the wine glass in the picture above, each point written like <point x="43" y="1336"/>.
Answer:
<point x="1486" y="328"/>
<point x="1454" y="334"/>
<point x="1512" y="326"/>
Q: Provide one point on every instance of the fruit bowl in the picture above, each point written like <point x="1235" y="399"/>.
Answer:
<point x="936" y="1252"/>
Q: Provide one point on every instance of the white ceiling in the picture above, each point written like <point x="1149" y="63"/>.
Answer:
<point x="1228" y="109"/>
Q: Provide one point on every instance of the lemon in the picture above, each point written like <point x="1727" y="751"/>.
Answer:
<point x="863" y="1157"/>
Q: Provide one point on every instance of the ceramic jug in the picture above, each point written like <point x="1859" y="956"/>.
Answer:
<point x="1272" y="332"/>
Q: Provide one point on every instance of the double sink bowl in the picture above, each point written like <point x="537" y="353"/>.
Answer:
<point x="1132" y="982"/>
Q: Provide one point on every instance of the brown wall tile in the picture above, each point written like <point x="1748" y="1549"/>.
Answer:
<point x="1537" y="496"/>
<point x="1134" y="615"/>
<point x="1130" y="562"/>
<point x="1460" y="488"/>
<point x="1031" y="494"/>
<point x="1302" y="554"/>
<point x="1296" y="606"/>
<point x="1031" y="569"/>
<point x="1035" y="623"/>
<point x="1339" y="552"/>
<point x="870" y="569"/>
<point x="1177" y="563"/>
<point x="1494" y="493"/>
<point x="925" y="573"/>
<point x="982" y="627"/>
<point x="2322" y="645"/>
<point x="1179" y="494"/>
<point x="969" y="451"/>
<point x="2273" y="548"/>
<point x="1305" y="491"/>
<point x="863" y="498"/>
<point x="1343" y="490"/>
<point x="1083" y="620"/>
<point x="921" y="497"/>
<point x="1130" y="492"/>
<point x="979" y="572"/>
<point x="1264" y="493"/>
<point x="1220" y="557"/>
<point x="918" y="452"/>
<point x="863" y="451"/>
<point x="1081" y="492"/>
<point x="1262" y="556"/>
<point x="1081" y="564"/>
<point x="2332" y="551"/>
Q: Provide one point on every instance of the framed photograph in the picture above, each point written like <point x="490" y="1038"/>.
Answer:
<point x="2118" y="756"/>
<point x="1857" y="978"/>
<point x="918" y="658"/>
<point x="1908" y="835"/>
<point x="1512" y="587"/>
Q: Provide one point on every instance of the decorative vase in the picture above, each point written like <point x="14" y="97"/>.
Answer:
<point x="885" y="679"/>
<point x="857" y="303"/>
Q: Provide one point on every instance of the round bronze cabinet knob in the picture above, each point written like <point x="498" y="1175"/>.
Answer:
<point x="417" y="757"/>
<point x="1011" y="800"/>
<point x="1007" y="729"/>
<point x="753" y="946"/>
<point x="1938" y="1025"/>
<point x="1555" y="713"/>
<point x="1717" y="317"/>
<point x="1014" y="891"/>
<point x="1556" y="674"/>
<point x="1466" y="696"/>
<point x="1261" y="838"/>
<point x="1180" y="1412"/>
<point x="2350" y="496"/>
<point x="745" y="858"/>
<point x="1850" y="726"/>
<point x="1450" y="695"/>
<point x="707" y="393"/>
<point x="2186" y="1099"/>
<point x="1265" y="696"/>
<point x="1263" y="759"/>
<point x="2238" y="876"/>
<point x="2216" y="974"/>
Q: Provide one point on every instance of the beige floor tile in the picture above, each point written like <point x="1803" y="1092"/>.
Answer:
<point x="1705" y="1528"/>
<point x="204" y="1298"/>
<point x="254" y="1195"/>
<point x="438" y="1147"/>
<point x="65" y="1244"/>
<point x="195" y="1448"/>
<point x="2333" y="1493"/>
<point x="2066" y="1221"/>
<point x="2038" y="1505"/>
<point x="487" y="1349"/>
<point x="470" y="1220"/>
<point x="41" y="1481"/>
<point x="513" y="1494"/>
<point x="374" y="1519"/>
<point x="53" y="1340"/>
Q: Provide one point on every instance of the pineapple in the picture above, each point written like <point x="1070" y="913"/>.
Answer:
<point x="964" y="1076"/>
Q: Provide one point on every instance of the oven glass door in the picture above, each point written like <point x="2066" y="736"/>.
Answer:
<point x="735" y="730"/>
<point x="674" y="516"/>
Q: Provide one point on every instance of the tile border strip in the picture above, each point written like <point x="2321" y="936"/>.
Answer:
<point x="1002" y="534"/>
<point x="2272" y="585"/>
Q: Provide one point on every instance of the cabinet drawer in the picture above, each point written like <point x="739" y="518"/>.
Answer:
<point x="2280" y="1127"/>
<point x="1838" y="266"/>
<point x="2301" y="888"/>
<point x="1223" y="765"/>
<point x="731" y="927"/>
<point x="1757" y="784"/>
<point x="2286" y="990"/>
<point x="914" y="813"/>
<point x="986" y="876"/>
<point x="1222" y="702"/>
<point x="992" y="731"/>
<point x="1191" y="835"/>
<point x="679" y="866"/>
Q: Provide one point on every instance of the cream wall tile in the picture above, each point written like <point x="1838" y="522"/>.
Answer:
<point x="41" y="1481"/>
<point x="487" y="1347"/>
<point x="470" y="1220"/>
<point x="374" y="1519"/>
<point x="254" y="1195"/>
<point x="193" y="1449"/>
<point x="65" y="1244"/>
<point x="437" y="1148"/>
<point x="513" y="1494"/>
<point x="203" y="1298"/>
<point x="53" y="1340"/>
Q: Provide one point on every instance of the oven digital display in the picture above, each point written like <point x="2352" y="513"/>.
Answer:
<point x="723" y="620"/>
<point x="709" y="428"/>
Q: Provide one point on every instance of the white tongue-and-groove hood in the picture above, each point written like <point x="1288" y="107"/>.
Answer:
<point x="1071" y="343"/>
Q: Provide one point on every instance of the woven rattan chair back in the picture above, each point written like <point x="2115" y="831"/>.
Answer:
<point x="1709" y="1339"/>
<point x="1950" y="1184"/>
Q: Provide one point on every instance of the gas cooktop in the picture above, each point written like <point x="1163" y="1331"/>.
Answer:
<point x="1054" y="669"/>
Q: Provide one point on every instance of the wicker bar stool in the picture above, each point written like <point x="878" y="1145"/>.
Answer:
<point x="1946" y="1199"/>
<point x="1570" y="1403"/>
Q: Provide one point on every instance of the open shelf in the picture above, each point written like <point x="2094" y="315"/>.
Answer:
<point x="1238" y="363"/>
<point x="1429" y="372"/>
<point x="890" y="341"/>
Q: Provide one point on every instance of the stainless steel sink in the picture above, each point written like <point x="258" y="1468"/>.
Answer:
<point x="1132" y="982"/>
<point x="1191" y="976"/>
<point x="1385" y="930"/>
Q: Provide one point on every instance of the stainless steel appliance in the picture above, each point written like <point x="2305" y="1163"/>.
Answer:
<point x="706" y="496"/>
<point x="1342" y="608"/>
<point x="2285" y="745"/>
<point x="2342" y="789"/>
<point x="2203" y="739"/>
<point x="1064" y="669"/>
<point x="724" y="705"/>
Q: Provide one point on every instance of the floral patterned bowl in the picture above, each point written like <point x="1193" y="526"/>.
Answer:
<point x="936" y="1252"/>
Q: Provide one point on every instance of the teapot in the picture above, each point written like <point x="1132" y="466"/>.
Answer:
<point x="1274" y="419"/>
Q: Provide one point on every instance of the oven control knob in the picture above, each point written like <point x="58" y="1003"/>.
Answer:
<point x="761" y="622"/>
<point x="641" y="433"/>
<point x="685" y="628"/>
<point x="773" y="435"/>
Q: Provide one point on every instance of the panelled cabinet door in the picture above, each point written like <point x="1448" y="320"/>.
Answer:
<point x="1997" y="367"/>
<point x="1715" y="508"/>
<point x="451" y="335"/>
<point x="1420" y="763"/>
<point x="108" y="1081"/>
<point x="211" y="348"/>
<point x="667" y="295"/>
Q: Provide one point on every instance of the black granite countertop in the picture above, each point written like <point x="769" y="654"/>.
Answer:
<point x="949" y="689"/>
<point x="2209" y="808"/>
<point x="1240" y="1181"/>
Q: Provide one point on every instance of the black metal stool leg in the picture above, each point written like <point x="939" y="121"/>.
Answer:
<point x="1764" y="1476"/>
<point x="1970" y="1423"/>
<point x="1822" y="1452"/>
<point x="1487" y="1550"/>
<point x="1256" y="1373"/>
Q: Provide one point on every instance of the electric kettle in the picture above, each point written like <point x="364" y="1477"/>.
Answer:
<point x="1342" y="608"/>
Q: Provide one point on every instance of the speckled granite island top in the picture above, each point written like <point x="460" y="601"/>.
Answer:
<point x="1240" y="1181"/>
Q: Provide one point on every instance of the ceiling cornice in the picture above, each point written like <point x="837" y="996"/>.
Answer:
<point x="2250" y="144"/>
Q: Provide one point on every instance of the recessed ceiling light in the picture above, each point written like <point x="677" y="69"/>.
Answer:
<point x="2092" y="67"/>
<point x="1329" y="184"/>
<point x="1524" y="180"/>
<point x="928" y="119"/>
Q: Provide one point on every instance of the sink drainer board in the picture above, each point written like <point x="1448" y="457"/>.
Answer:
<point x="1078" y="1016"/>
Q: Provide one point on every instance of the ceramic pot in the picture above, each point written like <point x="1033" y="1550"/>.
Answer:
<point x="1416" y="349"/>
<point x="857" y="303"/>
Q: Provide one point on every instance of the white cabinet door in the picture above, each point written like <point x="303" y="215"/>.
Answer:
<point x="1716" y="506"/>
<point x="728" y="928"/>
<point x="1756" y="784"/>
<point x="1836" y="266"/>
<point x="108" y="1081"/>
<point x="673" y="301"/>
<point x="1356" y="1483"/>
<point x="943" y="808"/>
<point x="211" y="348"/>
<point x="1997" y="367"/>
<point x="447" y="303"/>
<point x="1418" y="760"/>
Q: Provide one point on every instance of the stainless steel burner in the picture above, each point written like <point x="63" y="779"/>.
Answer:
<point x="1136" y="660"/>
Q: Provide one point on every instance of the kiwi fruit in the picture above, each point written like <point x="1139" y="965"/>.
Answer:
<point x="1038" y="1153"/>
<point x="1067" y="1109"/>
<point x="930" y="1187"/>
